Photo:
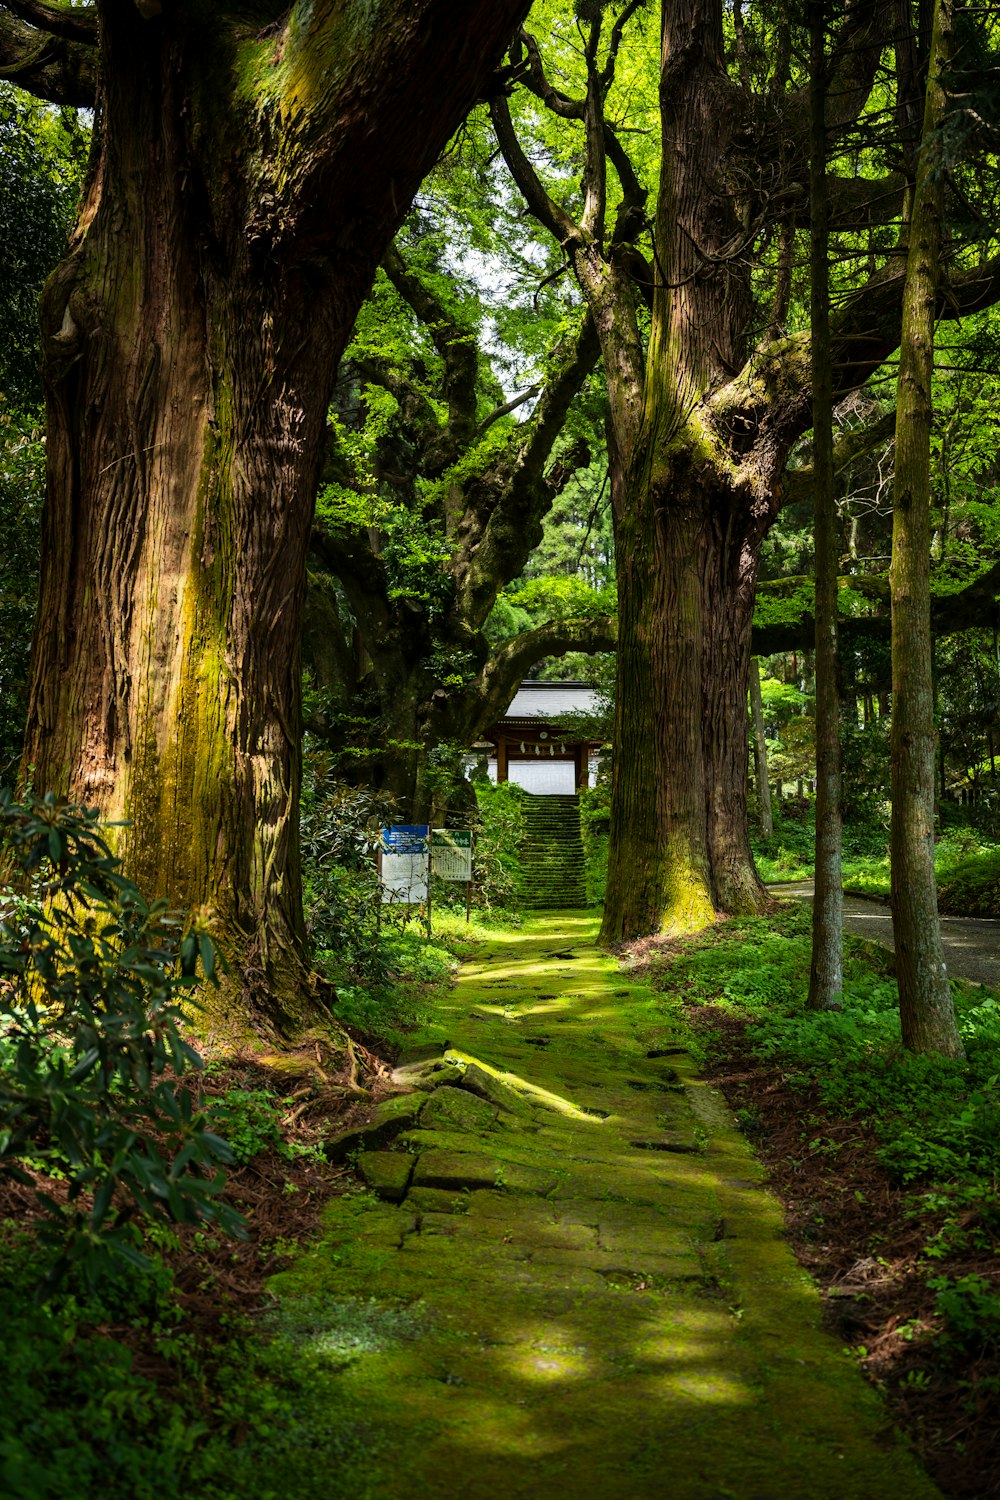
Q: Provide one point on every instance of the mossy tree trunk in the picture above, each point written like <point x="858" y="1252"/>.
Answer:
<point x="250" y="168"/>
<point x="926" y="1008"/>
<point x="692" y="529"/>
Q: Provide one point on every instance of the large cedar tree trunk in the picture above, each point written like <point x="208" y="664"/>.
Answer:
<point x="693" y="531"/>
<point x="679" y="840"/>
<point x="245" y="183"/>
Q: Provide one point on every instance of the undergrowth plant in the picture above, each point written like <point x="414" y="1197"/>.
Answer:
<point x="937" y="1122"/>
<point x="98" y="1085"/>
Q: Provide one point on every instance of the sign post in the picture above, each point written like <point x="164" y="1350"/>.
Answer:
<point x="404" y="863"/>
<point x="430" y="872"/>
<point x="451" y="858"/>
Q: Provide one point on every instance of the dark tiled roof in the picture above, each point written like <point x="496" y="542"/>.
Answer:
<point x="547" y="700"/>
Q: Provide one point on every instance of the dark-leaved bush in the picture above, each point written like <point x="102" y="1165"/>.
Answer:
<point x="98" y="1086"/>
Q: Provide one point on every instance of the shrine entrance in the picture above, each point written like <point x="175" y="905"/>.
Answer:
<point x="530" y="746"/>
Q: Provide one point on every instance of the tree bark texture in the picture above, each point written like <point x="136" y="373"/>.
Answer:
<point x="826" y="976"/>
<point x="245" y="185"/>
<point x="679" y="841"/>
<point x="926" y="1008"/>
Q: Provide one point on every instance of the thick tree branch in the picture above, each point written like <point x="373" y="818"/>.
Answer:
<point x="865" y="332"/>
<point x="326" y="649"/>
<point x="350" y="554"/>
<point x="796" y="484"/>
<point x="509" y="664"/>
<point x="504" y="508"/>
<point x="857" y="51"/>
<point x="630" y="218"/>
<point x="507" y="408"/>
<point x="595" y="171"/>
<point x="533" y="77"/>
<point x="858" y="202"/>
<point x="338" y="97"/>
<point x="51" y="67"/>
<point x="417" y="409"/>
<point x="867" y="329"/>
<point x="549" y="214"/>
<point x="76" y="25"/>
<point x="459" y="350"/>
<point x="614" y="46"/>
<point x="976" y="607"/>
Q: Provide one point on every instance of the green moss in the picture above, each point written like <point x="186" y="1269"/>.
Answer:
<point x="591" y="1333"/>
<point x="689" y="906"/>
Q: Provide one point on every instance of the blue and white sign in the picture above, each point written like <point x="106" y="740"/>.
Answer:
<point x="404" y="862"/>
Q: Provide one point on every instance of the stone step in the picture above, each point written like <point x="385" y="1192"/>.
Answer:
<point x="551" y="853"/>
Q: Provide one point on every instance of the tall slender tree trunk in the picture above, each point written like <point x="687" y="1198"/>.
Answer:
<point x="826" y="979"/>
<point x="760" y="752"/>
<point x="730" y="578"/>
<point x="926" y="1008"/>
<point x="241" y="198"/>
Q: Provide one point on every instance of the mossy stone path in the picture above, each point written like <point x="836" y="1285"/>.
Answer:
<point x="600" y="1300"/>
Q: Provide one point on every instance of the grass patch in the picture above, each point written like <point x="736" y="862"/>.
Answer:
<point x="888" y="1165"/>
<point x="938" y="1122"/>
<point x="966" y="864"/>
<point x="970" y="887"/>
<point x="153" y="1412"/>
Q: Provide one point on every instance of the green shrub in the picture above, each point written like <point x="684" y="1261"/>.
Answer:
<point x="95" y="983"/>
<point x="972" y="887"/>
<point x="938" y="1122"/>
<point x="249" y="1120"/>
<point x="595" y="816"/>
<point x="497" y="842"/>
<point x="970" y="1309"/>
<point x="788" y="853"/>
<point x="340" y="832"/>
<point x="258" y="1412"/>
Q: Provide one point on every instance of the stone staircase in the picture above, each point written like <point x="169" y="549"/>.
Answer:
<point x="551" y="875"/>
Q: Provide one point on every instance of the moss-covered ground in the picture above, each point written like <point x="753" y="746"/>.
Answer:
<point x="575" y="1281"/>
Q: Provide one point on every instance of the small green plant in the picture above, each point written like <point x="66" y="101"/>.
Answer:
<point x="249" y="1121"/>
<point x="95" y="1073"/>
<point x="970" y="1309"/>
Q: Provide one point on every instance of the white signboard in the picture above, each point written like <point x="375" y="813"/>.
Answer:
<point x="404" y="863"/>
<point x="451" y="853"/>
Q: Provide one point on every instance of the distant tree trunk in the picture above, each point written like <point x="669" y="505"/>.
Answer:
<point x="826" y="978"/>
<point x="243" y="193"/>
<point x="926" y="1008"/>
<point x="760" y="752"/>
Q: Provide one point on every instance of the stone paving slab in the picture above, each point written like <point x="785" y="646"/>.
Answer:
<point x="593" y="1315"/>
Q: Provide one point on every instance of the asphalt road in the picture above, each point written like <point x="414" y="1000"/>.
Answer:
<point x="971" y="944"/>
